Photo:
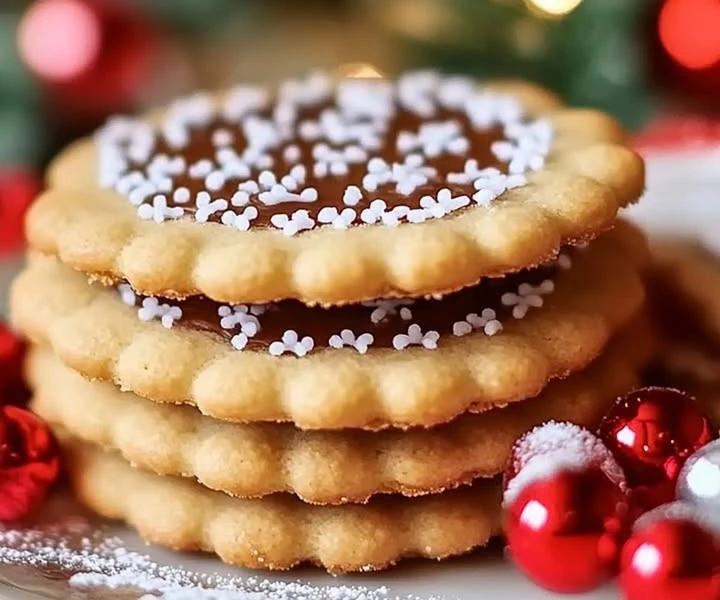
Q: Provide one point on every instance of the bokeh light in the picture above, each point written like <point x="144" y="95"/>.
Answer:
<point x="60" y="39"/>
<point x="359" y="71"/>
<point x="690" y="32"/>
<point x="555" y="8"/>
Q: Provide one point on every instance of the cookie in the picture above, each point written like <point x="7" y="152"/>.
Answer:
<point x="684" y="283"/>
<point x="688" y="273"/>
<point x="278" y="532"/>
<point x="426" y="380"/>
<point x="335" y="192"/>
<point x="328" y="467"/>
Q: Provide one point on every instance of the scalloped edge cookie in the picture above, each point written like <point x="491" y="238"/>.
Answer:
<point x="687" y="270"/>
<point x="324" y="467"/>
<point x="92" y="331"/>
<point x="279" y="532"/>
<point x="589" y="175"/>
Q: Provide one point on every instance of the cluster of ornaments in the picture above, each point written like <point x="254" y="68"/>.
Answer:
<point x="29" y="454"/>
<point x="639" y="498"/>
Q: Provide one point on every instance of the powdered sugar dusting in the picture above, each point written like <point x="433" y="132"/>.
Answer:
<point x="92" y="560"/>
<point x="554" y="447"/>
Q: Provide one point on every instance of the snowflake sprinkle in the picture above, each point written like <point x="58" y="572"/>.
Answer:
<point x="361" y="343"/>
<point x="384" y="308"/>
<point x="338" y="219"/>
<point x="299" y="221"/>
<point x="415" y="337"/>
<point x="527" y="296"/>
<point x="291" y="343"/>
<point x="152" y="309"/>
<point x="485" y="321"/>
<point x="268" y="149"/>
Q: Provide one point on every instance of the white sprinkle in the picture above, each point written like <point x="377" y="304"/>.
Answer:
<point x="158" y="211"/>
<point x="289" y="183"/>
<point x="181" y="195"/>
<point x="200" y="169"/>
<point x="461" y="328"/>
<point x="291" y="343"/>
<point x="267" y="179"/>
<point x="527" y="296"/>
<point x="251" y="187"/>
<point x="291" y="154"/>
<point x="374" y="212"/>
<point x="264" y="161"/>
<point x="206" y="206"/>
<point x="415" y="337"/>
<point x="127" y="294"/>
<point x="240" y="198"/>
<point x="384" y="308"/>
<point x="346" y="337"/>
<point x="152" y="309"/>
<point x="222" y="137"/>
<point x="291" y="225"/>
<point x="215" y="181"/>
<point x="140" y="194"/>
<point x="338" y="219"/>
<point x="298" y="173"/>
<point x="309" y="195"/>
<point x="241" y="221"/>
<point x="352" y="195"/>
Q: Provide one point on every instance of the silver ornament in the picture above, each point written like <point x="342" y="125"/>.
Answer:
<point x="699" y="479"/>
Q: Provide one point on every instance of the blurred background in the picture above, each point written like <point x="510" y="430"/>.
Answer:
<point x="66" y="64"/>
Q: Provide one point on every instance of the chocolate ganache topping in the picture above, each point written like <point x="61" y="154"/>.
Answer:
<point x="291" y="327"/>
<point x="318" y="153"/>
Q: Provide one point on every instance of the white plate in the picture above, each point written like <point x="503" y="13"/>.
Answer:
<point x="684" y="191"/>
<point x="486" y="575"/>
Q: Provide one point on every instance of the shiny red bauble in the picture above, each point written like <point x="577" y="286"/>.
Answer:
<point x="672" y="557"/>
<point x="93" y="56"/>
<point x="18" y="188"/>
<point x="566" y="511"/>
<point x="12" y="354"/>
<point x="565" y="531"/>
<point x="29" y="462"/>
<point x="652" y="432"/>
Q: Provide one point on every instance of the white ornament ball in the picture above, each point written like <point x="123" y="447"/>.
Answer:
<point x="699" y="480"/>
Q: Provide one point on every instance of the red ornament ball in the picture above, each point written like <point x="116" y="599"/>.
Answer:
<point x="566" y="511"/>
<point x="673" y="555"/>
<point x="29" y="462"/>
<point x="652" y="432"/>
<point x="12" y="355"/>
<point x="18" y="188"/>
<point x="93" y="56"/>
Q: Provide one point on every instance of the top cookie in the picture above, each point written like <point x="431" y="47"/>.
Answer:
<point x="335" y="191"/>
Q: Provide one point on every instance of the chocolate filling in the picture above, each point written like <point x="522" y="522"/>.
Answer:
<point x="331" y="188"/>
<point x="384" y="319"/>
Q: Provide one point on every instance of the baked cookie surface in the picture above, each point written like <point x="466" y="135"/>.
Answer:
<point x="94" y="331"/>
<point x="688" y="273"/>
<point x="324" y="467"/>
<point x="335" y="192"/>
<point x="279" y="531"/>
<point x="684" y="284"/>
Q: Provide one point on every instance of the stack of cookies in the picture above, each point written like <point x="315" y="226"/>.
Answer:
<point x="306" y="324"/>
<point x="685" y="281"/>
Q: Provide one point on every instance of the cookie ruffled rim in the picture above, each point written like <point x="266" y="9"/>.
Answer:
<point x="92" y="331"/>
<point x="589" y="175"/>
<point x="244" y="532"/>
<point x="692" y="272"/>
<point x="324" y="467"/>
